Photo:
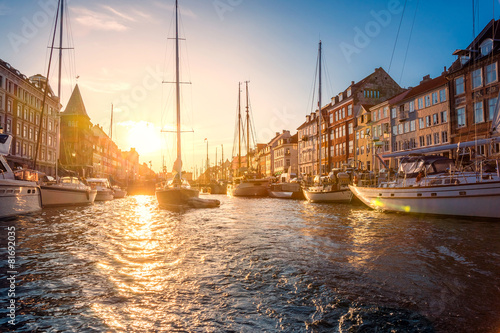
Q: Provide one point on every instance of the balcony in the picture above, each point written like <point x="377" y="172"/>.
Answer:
<point x="403" y="115"/>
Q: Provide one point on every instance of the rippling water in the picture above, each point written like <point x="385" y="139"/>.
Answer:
<point x="252" y="265"/>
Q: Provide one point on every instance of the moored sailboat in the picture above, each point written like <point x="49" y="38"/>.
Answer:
<point x="325" y="189"/>
<point x="178" y="192"/>
<point x="64" y="191"/>
<point x="247" y="184"/>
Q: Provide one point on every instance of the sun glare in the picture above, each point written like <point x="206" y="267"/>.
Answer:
<point x="144" y="137"/>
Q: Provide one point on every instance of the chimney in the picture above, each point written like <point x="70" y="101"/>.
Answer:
<point x="425" y="78"/>
<point x="444" y="71"/>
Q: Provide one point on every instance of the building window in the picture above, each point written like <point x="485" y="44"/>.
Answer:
<point x="427" y="101"/>
<point x="477" y="79"/>
<point x="412" y="106"/>
<point x="25" y="131"/>
<point x="8" y="126"/>
<point x="427" y="121"/>
<point x="394" y="130"/>
<point x="421" y="123"/>
<point x="350" y="127"/>
<point x="400" y="129"/>
<point x="420" y="103"/>
<point x="442" y="95"/>
<point x="459" y="85"/>
<point x="349" y="110"/>
<point x="435" y="98"/>
<point x="444" y="136"/>
<point x="407" y="127"/>
<point x="436" y="138"/>
<point x="492" y="103"/>
<point x="491" y="73"/>
<point x="444" y="117"/>
<point x="412" y="125"/>
<point x="478" y="112"/>
<point x="393" y="113"/>
<point x="486" y="46"/>
<point x="422" y="141"/>
<point x="351" y="147"/>
<point x="429" y="139"/>
<point x="435" y="119"/>
<point x="461" y="117"/>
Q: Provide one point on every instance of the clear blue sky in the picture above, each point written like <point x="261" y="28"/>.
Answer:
<point x="121" y="53"/>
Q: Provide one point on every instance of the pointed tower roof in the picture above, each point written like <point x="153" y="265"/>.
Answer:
<point x="75" y="104"/>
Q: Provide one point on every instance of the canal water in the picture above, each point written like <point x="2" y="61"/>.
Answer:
<point x="252" y="265"/>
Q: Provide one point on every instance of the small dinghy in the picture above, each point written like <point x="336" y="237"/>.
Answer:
<point x="203" y="203"/>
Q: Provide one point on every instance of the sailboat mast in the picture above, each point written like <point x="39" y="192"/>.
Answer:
<point x="60" y="49"/>
<point x="111" y="125"/>
<point x="319" y="108"/>
<point x="177" y="88"/>
<point x="248" y="130"/>
<point x="239" y="127"/>
<point x="59" y="86"/>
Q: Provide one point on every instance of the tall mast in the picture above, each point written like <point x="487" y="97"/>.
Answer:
<point x="177" y="88"/>
<point x="60" y="49"/>
<point x="58" y="139"/>
<point x="319" y="110"/>
<point x="248" y="130"/>
<point x="239" y="127"/>
<point x="111" y="125"/>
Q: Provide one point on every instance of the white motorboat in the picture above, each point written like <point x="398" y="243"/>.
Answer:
<point x="333" y="188"/>
<point x="286" y="191"/>
<point x="244" y="187"/>
<point x="328" y="193"/>
<point x="119" y="192"/>
<point x="431" y="185"/>
<point x="103" y="188"/>
<point x="16" y="196"/>
<point x="67" y="191"/>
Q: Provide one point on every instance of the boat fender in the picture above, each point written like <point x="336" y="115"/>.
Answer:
<point x="419" y="177"/>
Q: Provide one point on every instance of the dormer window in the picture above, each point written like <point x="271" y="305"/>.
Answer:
<point x="486" y="47"/>
<point x="340" y="97"/>
<point x="464" y="59"/>
<point x="349" y="92"/>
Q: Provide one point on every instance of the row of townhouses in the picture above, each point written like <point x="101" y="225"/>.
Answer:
<point x="374" y="120"/>
<point x="68" y="137"/>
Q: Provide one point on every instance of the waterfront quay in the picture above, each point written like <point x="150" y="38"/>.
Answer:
<point x="251" y="265"/>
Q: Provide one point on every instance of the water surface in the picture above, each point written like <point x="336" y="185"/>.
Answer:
<point x="252" y="265"/>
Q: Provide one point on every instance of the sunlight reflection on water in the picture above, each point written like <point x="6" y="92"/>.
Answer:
<point x="254" y="265"/>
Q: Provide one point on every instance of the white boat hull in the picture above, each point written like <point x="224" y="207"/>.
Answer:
<point x="338" y="196"/>
<point x="18" y="197"/>
<point x="280" y="194"/>
<point x="104" y="195"/>
<point x="250" y="188"/>
<point x="473" y="199"/>
<point x="55" y="195"/>
<point x="118" y="194"/>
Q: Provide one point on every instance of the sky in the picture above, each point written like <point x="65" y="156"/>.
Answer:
<point x="120" y="53"/>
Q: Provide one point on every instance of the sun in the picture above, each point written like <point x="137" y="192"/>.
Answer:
<point x="144" y="136"/>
